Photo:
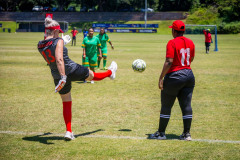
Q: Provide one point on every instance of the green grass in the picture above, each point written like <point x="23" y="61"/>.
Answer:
<point x="131" y="102"/>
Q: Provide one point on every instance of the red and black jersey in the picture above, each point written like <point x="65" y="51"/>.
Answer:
<point x="181" y="49"/>
<point x="47" y="50"/>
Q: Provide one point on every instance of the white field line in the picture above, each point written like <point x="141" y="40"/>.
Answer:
<point x="109" y="136"/>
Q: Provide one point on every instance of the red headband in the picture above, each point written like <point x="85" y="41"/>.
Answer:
<point x="55" y="27"/>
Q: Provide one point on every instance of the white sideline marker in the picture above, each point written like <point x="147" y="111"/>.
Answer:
<point x="113" y="137"/>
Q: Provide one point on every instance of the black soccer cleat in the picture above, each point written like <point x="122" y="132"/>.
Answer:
<point x="185" y="136"/>
<point x="158" y="135"/>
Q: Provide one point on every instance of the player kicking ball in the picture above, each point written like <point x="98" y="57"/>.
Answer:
<point x="178" y="81"/>
<point x="64" y="70"/>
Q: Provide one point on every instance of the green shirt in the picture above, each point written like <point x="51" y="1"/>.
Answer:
<point x="103" y="39"/>
<point x="91" y="45"/>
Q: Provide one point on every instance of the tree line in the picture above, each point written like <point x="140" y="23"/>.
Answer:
<point x="224" y="13"/>
<point x="104" y="5"/>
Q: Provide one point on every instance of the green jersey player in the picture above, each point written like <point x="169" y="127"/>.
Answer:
<point x="90" y="46"/>
<point x="103" y="37"/>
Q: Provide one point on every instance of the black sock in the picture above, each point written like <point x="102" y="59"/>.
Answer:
<point x="187" y="125"/>
<point x="163" y="122"/>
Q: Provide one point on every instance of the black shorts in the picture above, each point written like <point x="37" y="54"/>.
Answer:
<point x="207" y="44"/>
<point x="74" y="37"/>
<point x="80" y="74"/>
<point x="179" y="84"/>
<point x="175" y="81"/>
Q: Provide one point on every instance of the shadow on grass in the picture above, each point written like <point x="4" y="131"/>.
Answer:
<point x="44" y="138"/>
<point x="125" y="130"/>
<point x="82" y="82"/>
<point x="87" y="133"/>
<point x="169" y="136"/>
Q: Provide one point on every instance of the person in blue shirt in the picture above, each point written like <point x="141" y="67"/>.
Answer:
<point x="85" y="33"/>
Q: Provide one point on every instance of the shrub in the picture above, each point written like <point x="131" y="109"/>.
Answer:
<point x="210" y="16"/>
<point x="233" y="27"/>
<point x="203" y="16"/>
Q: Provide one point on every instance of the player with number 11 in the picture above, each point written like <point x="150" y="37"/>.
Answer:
<point x="177" y="81"/>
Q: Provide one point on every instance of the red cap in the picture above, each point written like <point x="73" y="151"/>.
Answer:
<point x="55" y="27"/>
<point x="178" y="25"/>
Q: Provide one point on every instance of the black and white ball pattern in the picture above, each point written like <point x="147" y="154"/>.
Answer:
<point x="139" y="65"/>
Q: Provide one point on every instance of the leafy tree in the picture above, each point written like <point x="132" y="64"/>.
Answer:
<point x="88" y="3"/>
<point x="26" y="5"/>
<point x="229" y="10"/>
<point x="9" y="5"/>
<point x="176" y="5"/>
<point x="45" y="3"/>
<point x="204" y="16"/>
<point x="100" y="5"/>
<point x="141" y="4"/>
<point x="62" y="4"/>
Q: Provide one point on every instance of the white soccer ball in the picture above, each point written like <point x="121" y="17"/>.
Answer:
<point x="139" y="65"/>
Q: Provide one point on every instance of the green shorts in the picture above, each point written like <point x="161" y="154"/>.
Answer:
<point x="90" y="61"/>
<point x="104" y="52"/>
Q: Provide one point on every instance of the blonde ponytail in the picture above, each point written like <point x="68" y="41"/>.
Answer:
<point x="49" y="22"/>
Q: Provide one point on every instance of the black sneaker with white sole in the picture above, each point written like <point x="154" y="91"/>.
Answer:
<point x="185" y="136"/>
<point x="158" y="135"/>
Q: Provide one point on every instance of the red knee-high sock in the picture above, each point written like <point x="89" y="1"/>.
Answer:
<point x="67" y="114"/>
<point x="101" y="75"/>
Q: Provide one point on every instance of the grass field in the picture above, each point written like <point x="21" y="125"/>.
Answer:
<point x="112" y="119"/>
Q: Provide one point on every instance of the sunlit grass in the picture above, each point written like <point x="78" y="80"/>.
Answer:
<point x="131" y="102"/>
